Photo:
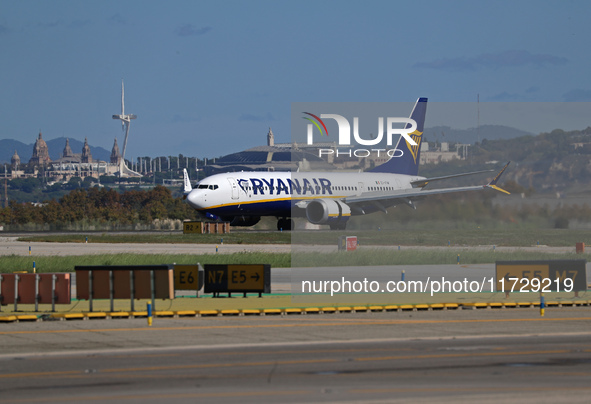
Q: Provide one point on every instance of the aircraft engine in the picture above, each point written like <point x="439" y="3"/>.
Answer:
<point x="242" y="220"/>
<point x="328" y="211"/>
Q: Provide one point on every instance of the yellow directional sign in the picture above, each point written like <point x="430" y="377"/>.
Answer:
<point x="509" y="274"/>
<point x="192" y="227"/>
<point x="254" y="278"/>
<point x="250" y="277"/>
<point x="541" y="276"/>
<point x="186" y="277"/>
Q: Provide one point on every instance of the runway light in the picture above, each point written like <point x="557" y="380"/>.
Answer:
<point x="149" y="314"/>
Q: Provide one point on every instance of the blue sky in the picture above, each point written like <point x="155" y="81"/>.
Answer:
<point x="210" y="77"/>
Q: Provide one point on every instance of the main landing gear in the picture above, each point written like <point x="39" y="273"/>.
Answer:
<point x="285" y="224"/>
<point x="338" y="226"/>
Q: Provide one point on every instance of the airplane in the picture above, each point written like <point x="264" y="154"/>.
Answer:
<point x="323" y="198"/>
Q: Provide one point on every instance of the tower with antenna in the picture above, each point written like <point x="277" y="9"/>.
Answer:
<point x="125" y="124"/>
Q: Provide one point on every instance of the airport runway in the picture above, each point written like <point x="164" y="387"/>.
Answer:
<point x="481" y="356"/>
<point x="10" y="246"/>
<point x="432" y="356"/>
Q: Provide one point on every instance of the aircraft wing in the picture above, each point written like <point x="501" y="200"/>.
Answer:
<point x="407" y="195"/>
<point x="423" y="182"/>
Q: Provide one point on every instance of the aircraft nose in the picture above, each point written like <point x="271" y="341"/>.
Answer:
<point x="195" y="199"/>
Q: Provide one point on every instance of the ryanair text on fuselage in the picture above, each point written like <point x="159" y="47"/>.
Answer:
<point x="277" y="186"/>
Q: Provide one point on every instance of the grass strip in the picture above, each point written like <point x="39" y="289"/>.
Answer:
<point x="11" y="263"/>
<point x="166" y="238"/>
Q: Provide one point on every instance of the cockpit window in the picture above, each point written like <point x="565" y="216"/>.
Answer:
<point x="206" y="186"/>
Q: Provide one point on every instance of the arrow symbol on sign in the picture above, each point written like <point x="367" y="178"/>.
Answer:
<point x="256" y="277"/>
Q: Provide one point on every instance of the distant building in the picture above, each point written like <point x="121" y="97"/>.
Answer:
<point x="40" y="155"/>
<point x="78" y="165"/>
<point x="441" y="153"/>
<point x="326" y="156"/>
<point x="115" y="154"/>
<point x="86" y="155"/>
<point x="15" y="161"/>
<point x="68" y="156"/>
<point x="69" y="165"/>
<point x="268" y="158"/>
<point x="67" y="150"/>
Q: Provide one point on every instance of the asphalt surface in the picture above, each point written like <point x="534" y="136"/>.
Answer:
<point x="481" y="356"/>
<point x="451" y="356"/>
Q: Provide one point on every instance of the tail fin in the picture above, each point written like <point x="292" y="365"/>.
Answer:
<point x="408" y="162"/>
<point x="186" y="182"/>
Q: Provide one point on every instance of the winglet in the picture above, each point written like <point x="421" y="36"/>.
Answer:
<point x="493" y="183"/>
<point x="186" y="182"/>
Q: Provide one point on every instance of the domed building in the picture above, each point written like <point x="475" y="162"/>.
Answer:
<point x="268" y="158"/>
<point x="40" y="153"/>
<point x="77" y="164"/>
<point x="272" y="157"/>
<point x="15" y="161"/>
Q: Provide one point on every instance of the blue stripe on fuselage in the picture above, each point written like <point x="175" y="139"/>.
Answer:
<point x="265" y="208"/>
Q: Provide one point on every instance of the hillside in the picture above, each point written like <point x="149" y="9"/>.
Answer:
<point x="472" y="135"/>
<point x="547" y="163"/>
<point x="8" y="146"/>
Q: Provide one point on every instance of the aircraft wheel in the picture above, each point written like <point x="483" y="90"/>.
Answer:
<point x="338" y="226"/>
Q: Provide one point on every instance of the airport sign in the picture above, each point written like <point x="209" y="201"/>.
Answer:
<point x="248" y="278"/>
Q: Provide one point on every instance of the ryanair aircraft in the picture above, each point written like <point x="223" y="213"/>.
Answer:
<point x="325" y="198"/>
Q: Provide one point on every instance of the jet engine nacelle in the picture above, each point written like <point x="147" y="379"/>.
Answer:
<point x="242" y="220"/>
<point x="327" y="211"/>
